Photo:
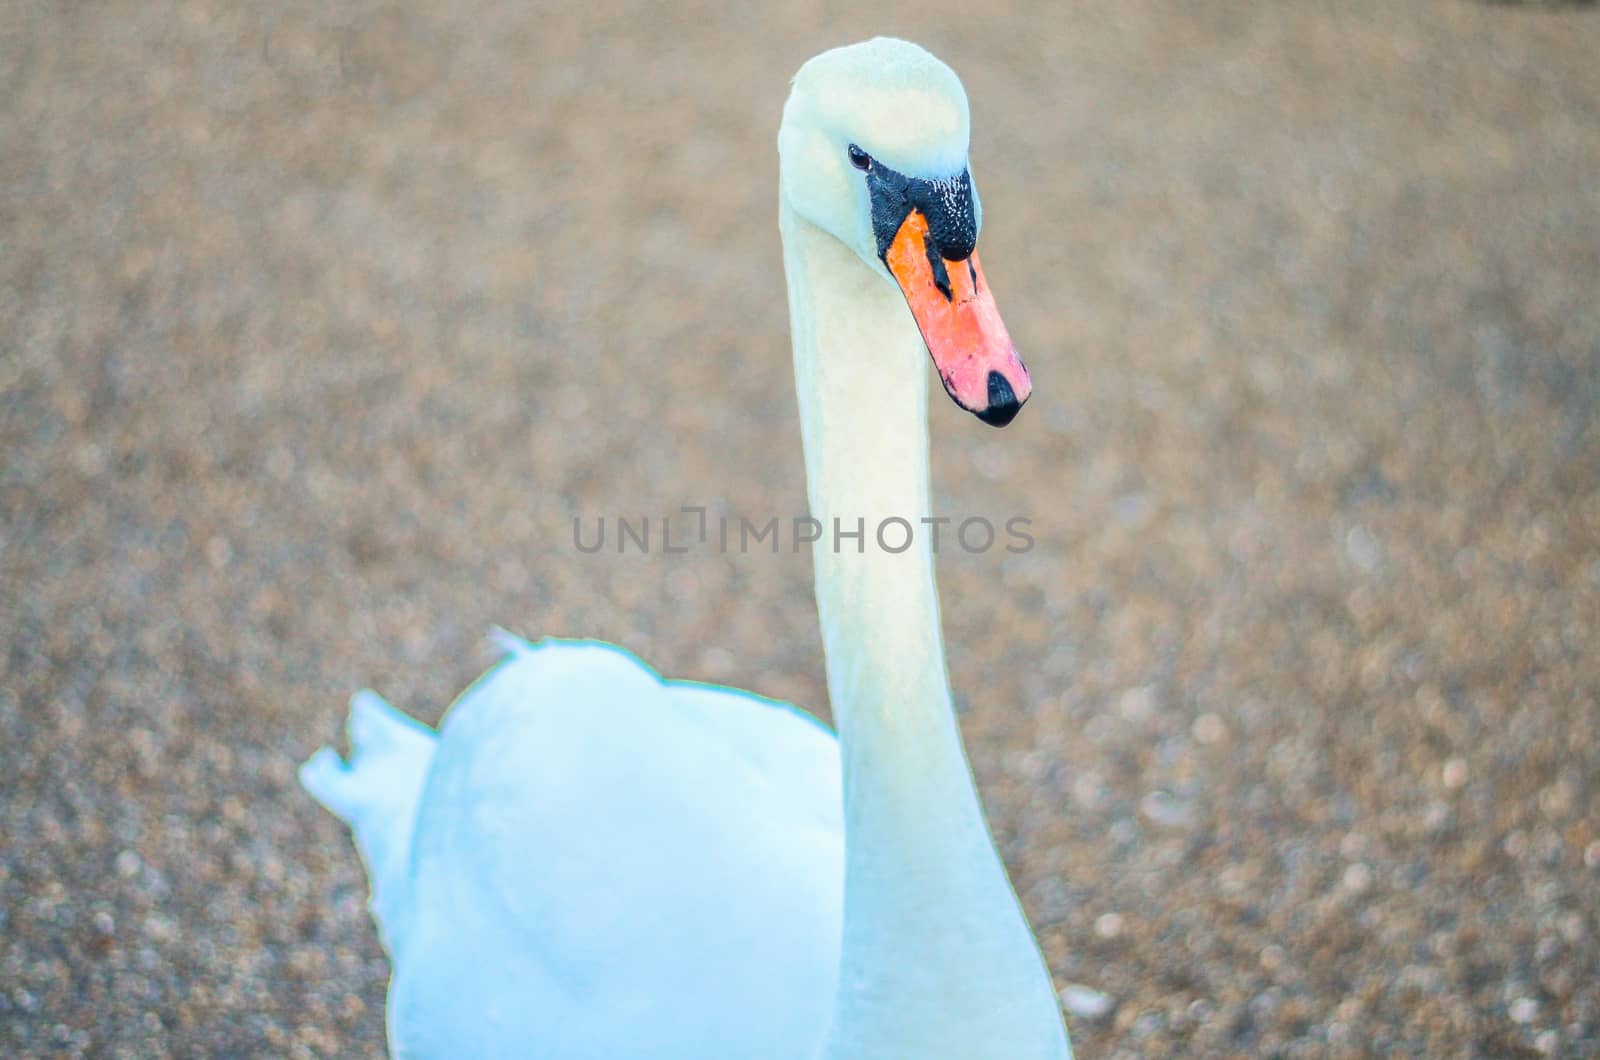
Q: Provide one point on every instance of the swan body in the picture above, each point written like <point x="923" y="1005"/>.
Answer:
<point x="589" y="861"/>
<point x="541" y="898"/>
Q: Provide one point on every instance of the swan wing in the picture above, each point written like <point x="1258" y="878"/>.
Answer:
<point x="376" y="794"/>
<point x="602" y="863"/>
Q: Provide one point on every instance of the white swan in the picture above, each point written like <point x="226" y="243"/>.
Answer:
<point x="588" y="861"/>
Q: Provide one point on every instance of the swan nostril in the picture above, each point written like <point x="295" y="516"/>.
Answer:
<point x="1003" y="403"/>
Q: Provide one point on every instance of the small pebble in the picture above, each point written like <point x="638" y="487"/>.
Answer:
<point x="1137" y="704"/>
<point x="1208" y="729"/>
<point x="1085" y="1002"/>
<point x="1166" y="810"/>
<point x="1362" y="548"/>
<point x="718" y="662"/>
<point x="218" y="551"/>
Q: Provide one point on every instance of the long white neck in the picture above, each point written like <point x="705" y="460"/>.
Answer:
<point x="937" y="959"/>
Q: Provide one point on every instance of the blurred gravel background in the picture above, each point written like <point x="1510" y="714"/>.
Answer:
<point x="319" y="323"/>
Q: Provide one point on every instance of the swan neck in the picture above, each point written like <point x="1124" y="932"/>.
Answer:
<point x="936" y="957"/>
<point x="861" y="382"/>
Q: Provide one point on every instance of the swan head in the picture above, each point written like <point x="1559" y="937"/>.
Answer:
<point x="873" y="151"/>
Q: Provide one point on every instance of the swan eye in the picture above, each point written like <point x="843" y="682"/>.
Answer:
<point x="860" y="159"/>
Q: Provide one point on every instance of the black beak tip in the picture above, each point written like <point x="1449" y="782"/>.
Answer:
<point x="1003" y="404"/>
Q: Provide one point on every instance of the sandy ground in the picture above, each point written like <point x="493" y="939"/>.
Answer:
<point x="319" y="323"/>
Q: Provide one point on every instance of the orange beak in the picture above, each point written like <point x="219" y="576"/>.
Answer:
<point x="956" y="313"/>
